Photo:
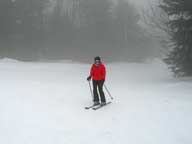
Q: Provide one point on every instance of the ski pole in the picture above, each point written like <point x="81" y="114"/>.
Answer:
<point x="108" y="92"/>
<point x="90" y="89"/>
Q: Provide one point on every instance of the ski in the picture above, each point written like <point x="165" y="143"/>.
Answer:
<point x="100" y="106"/>
<point x="92" y="106"/>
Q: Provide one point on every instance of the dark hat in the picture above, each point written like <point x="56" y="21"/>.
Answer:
<point x="97" y="58"/>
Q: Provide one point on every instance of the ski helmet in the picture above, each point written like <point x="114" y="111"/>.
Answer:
<point x="97" y="58"/>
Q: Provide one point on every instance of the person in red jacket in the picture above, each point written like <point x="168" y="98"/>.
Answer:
<point x="98" y="74"/>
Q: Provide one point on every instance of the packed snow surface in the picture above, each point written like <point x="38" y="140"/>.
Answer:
<point x="43" y="103"/>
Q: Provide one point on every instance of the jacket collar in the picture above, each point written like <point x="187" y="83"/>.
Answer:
<point x="98" y="65"/>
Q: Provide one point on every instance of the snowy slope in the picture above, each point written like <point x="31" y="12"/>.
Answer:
<point x="43" y="103"/>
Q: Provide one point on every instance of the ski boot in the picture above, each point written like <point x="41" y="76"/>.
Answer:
<point x="103" y="103"/>
<point x="96" y="103"/>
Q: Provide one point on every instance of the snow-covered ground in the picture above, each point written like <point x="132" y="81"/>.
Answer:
<point x="43" y="103"/>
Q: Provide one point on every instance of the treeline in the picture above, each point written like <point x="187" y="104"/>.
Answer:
<point x="73" y="29"/>
<point x="179" y="29"/>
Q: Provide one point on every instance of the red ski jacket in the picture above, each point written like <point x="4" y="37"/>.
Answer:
<point x="98" y="72"/>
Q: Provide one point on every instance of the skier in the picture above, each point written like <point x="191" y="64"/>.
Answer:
<point x="98" y="74"/>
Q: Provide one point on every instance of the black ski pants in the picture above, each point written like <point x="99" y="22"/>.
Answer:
<point x="98" y="85"/>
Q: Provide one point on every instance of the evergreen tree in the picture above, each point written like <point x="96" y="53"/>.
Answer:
<point x="62" y="32"/>
<point x="131" y="38"/>
<point x="96" y="19"/>
<point x="126" y="18"/>
<point x="7" y="23"/>
<point x="22" y="27"/>
<point x="180" y="24"/>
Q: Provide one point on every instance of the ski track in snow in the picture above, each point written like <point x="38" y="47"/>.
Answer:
<point x="43" y="103"/>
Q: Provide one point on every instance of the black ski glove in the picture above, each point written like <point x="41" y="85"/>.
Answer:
<point x="88" y="78"/>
